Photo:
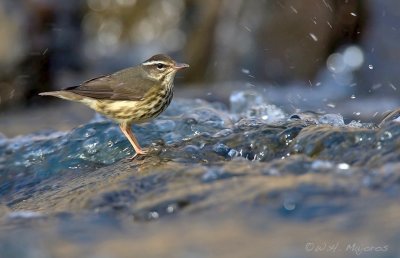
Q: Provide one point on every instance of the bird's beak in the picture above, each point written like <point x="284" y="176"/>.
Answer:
<point x="179" y="66"/>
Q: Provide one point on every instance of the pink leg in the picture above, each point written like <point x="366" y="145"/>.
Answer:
<point x="126" y="129"/>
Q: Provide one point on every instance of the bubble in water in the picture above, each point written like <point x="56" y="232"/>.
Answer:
<point x="289" y="204"/>
<point x="386" y="136"/>
<point x="91" y="145"/>
<point x="90" y="132"/>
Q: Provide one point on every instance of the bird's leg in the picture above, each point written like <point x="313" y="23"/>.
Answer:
<point x="126" y="129"/>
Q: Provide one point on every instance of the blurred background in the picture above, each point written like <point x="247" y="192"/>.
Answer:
<point x="338" y="56"/>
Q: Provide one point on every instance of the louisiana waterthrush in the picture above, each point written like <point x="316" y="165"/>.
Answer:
<point x="133" y="95"/>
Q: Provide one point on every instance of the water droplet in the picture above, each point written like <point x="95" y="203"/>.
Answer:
<point x="313" y="37"/>
<point x="153" y="215"/>
<point x="171" y="208"/>
<point x="293" y="9"/>
<point x="247" y="28"/>
<point x="321" y="165"/>
<point x="245" y="71"/>
<point x="392" y="86"/>
<point x="343" y="166"/>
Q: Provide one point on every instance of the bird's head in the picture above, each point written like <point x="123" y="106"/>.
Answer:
<point x="162" y="67"/>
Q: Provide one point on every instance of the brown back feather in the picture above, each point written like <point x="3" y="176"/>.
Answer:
<point x="128" y="84"/>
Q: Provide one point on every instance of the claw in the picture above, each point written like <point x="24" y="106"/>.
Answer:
<point x="137" y="154"/>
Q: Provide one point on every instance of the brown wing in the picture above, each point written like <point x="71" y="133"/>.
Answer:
<point x="128" y="84"/>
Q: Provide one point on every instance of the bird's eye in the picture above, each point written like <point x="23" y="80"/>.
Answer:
<point x="160" y="66"/>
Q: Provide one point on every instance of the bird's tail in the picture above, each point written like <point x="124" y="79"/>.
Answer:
<point x="62" y="94"/>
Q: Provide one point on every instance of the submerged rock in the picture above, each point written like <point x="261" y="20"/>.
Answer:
<point x="207" y="166"/>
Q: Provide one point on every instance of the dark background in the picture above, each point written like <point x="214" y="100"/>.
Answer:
<point x="341" y="49"/>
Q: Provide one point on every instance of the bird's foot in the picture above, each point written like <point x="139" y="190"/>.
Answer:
<point x="138" y="154"/>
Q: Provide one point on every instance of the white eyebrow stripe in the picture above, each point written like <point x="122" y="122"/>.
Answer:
<point x="154" y="62"/>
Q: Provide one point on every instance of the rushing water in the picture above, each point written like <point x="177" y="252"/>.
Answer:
<point x="249" y="181"/>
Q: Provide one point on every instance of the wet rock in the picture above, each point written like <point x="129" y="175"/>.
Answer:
<point x="114" y="200"/>
<point x="221" y="149"/>
<point x="317" y="118"/>
<point x="307" y="116"/>
<point x="205" y="166"/>
<point x="4" y="211"/>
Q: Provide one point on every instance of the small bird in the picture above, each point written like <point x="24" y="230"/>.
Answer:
<point x="130" y="96"/>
